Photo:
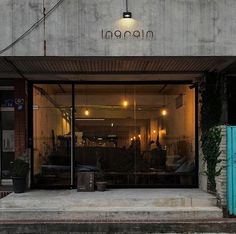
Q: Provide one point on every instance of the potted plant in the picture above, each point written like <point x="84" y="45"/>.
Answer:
<point x="20" y="170"/>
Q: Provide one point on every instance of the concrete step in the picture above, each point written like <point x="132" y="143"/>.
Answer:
<point x="110" y="205"/>
<point x="158" y="202"/>
<point x="113" y="198"/>
<point x="137" y="227"/>
<point x="153" y="202"/>
<point x="113" y="213"/>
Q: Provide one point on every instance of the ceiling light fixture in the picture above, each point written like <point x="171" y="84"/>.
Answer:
<point x="127" y="14"/>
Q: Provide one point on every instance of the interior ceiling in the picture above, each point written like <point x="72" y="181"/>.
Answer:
<point x="157" y="89"/>
<point x="103" y="68"/>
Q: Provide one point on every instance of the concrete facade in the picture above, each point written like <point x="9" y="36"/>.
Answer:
<point x="180" y="28"/>
<point x="91" y="28"/>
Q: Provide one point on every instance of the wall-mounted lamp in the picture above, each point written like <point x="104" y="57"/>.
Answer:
<point x="127" y="14"/>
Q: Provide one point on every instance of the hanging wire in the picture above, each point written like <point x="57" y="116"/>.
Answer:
<point x="35" y="25"/>
<point x="126" y="4"/>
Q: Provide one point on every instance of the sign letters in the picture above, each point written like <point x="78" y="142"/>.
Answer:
<point x="135" y="34"/>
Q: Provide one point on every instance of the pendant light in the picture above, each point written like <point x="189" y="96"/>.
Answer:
<point x="86" y="112"/>
<point x="125" y="102"/>
<point x="127" y="14"/>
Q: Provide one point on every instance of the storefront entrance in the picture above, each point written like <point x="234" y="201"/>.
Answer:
<point x="133" y="134"/>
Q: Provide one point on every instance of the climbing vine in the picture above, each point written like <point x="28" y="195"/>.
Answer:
<point x="211" y="152"/>
<point x="211" y="110"/>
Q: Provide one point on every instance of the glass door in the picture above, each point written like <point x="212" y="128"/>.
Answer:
<point x="52" y="135"/>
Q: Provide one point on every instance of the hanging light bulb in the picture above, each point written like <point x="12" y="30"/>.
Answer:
<point x="86" y="112"/>
<point x="125" y="103"/>
<point x="164" y="112"/>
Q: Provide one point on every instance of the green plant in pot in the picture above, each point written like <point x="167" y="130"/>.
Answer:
<point x="19" y="171"/>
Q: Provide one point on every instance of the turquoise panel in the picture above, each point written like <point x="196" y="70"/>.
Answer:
<point x="231" y="169"/>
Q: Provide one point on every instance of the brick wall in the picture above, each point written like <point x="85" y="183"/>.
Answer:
<point x="20" y="119"/>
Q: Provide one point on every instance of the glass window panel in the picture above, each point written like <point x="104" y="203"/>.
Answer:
<point x="52" y="134"/>
<point x="105" y="129"/>
<point x="134" y="135"/>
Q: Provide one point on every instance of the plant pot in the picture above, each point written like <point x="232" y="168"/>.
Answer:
<point x="101" y="186"/>
<point x="19" y="184"/>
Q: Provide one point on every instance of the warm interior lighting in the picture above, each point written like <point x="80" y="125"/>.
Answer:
<point x="164" y="112"/>
<point x="131" y="138"/>
<point x="163" y="132"/>
<point x="139" y="136"/>
<point x="154" y="131"/>
<point x="86" y="112"/>
<point x="125" y="103"/>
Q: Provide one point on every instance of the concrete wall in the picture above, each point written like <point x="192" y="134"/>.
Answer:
<point x="221" y="180"/>
<point x="180" y="27"/>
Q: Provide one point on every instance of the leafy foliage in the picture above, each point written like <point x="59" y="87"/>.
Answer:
<point x="20" y="168"/>
<point x="211" y="150"/>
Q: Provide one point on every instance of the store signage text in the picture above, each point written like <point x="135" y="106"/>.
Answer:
<point x="135" y="34"/>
